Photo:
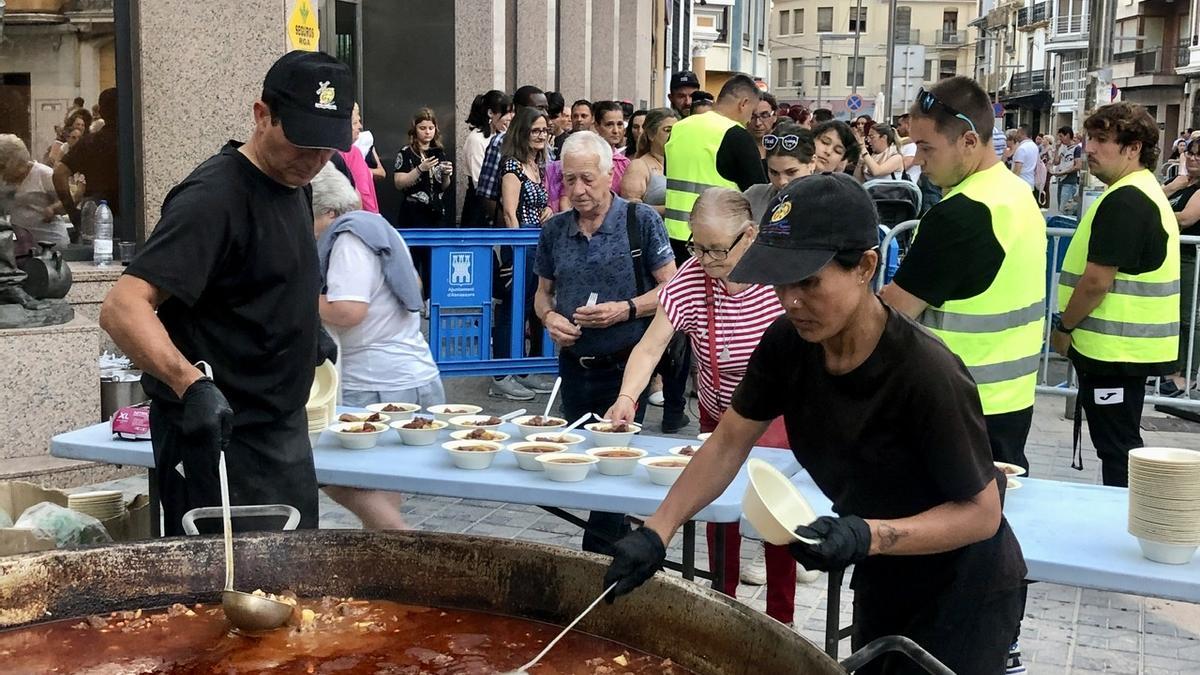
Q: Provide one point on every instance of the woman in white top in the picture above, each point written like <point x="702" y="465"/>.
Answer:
<point x="883" y="159"/>
<point x="383" y="355"/>
<point x="34" y="204"/>
<point x="490" y="114"/>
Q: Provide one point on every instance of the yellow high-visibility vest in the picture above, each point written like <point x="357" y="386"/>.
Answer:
<point x="691" y="155"/>
<point x="1138" y="319"/>
<point x="998" y="333"/>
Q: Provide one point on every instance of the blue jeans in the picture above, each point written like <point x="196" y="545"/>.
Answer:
<point x="425" y="395"/>
<point x="1067" y="192"/>
<point x="593" y="390"/>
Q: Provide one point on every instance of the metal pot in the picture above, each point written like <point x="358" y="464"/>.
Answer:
<point x="701" y="630"/>
<point x="48" y="276"/>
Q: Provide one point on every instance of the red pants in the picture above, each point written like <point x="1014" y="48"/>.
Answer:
<point x="781" y="567"/>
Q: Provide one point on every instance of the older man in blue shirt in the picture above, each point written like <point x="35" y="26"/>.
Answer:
<point x="618" y="251"/>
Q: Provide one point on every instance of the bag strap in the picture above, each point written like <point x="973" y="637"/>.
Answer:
<point x="635" y="246"/>
<point x="710" y="305"/>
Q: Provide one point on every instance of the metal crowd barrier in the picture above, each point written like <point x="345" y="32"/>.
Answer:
<point x="1056" y="375"/>
<point x="462" y="285"/>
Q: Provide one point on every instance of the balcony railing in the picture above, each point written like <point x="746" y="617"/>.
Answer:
<point x="1028" y="81"/>
<point x="1148" y="62"/>
<point x="951" y="37"/>
<point x="1031" y="15"/>
<point x="1182" y="54"/>
<point x="1069" y="24"/>
<point x="912" y="36"/>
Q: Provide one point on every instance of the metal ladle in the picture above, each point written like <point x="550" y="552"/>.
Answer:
<point x="524" y="670"/>
<point x="247" y="612"/>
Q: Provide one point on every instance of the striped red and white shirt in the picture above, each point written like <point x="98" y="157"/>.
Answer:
<point x="740" y="321"/>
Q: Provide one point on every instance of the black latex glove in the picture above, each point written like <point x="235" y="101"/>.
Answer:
<point x="326" y="348"/>
<point x="638" y="556"/>
<point x="207" y="425"/>
<point x="841" y="543"/>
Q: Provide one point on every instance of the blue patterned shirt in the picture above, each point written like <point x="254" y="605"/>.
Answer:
<point x="602" y="264"/>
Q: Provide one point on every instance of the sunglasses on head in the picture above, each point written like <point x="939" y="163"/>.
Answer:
<point x="789" y="142"/>
<point x="928" y="102"/>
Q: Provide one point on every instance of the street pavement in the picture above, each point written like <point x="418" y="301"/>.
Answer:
<point x="1066" y="630"/>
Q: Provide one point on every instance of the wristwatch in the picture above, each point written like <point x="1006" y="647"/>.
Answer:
<point x="632" y="310"/>
<point x="1057" y="324"/>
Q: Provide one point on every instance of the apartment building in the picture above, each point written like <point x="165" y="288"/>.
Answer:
<point x="727" y="37"/>
<point x="1152" y="43"/>
<point x="1066" y="45"/>
<point x="815" y="63"/>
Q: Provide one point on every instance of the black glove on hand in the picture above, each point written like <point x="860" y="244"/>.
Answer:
<point x="207" y="424"/>
<point x="639" y="555"/>
<point x="841" y="543"/>
<point x="326" y="348"/>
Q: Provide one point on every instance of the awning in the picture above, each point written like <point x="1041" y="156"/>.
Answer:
<point x="1033" y="100"/>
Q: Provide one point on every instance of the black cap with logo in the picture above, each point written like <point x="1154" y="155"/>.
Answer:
<point x="684" y="78"/>
<point x="313" y="96"/>
<point x="810" y="221"/>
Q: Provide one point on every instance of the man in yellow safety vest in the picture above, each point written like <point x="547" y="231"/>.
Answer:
<point x="1119" y="290"/>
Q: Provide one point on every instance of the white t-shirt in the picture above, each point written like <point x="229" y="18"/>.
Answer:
<point x="1027" y="154"/>
<point x="386" y="352"/>
<point x="910" y="150"/>
<point x="30" y="200"/>
<point x="474" y="148"/>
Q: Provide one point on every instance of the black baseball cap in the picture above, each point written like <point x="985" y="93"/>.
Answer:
<point x="806" y="225"/>
<point x="684" y="78"/>
<point x="312" y="93"/>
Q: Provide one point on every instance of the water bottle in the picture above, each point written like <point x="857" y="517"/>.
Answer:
<point x="102" y="245"/>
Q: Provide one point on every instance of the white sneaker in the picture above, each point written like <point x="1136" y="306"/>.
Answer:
<point x="510" y="389"/>
<point x="657" y="399"/>
<point x="806" y="576"/>
<point x="754" y="568"/>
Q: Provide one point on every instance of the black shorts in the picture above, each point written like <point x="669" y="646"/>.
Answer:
<point x="969" y="633"/>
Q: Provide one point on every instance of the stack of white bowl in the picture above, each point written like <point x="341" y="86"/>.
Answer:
<point x="100" y="505"/>
<point x="322" y="401"/>
<point x="1164" y="503"/>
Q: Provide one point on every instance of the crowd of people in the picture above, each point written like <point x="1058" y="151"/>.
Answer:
<point x="719" y="236"/>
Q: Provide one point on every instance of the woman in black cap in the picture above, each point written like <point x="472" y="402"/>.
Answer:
<point x="889" y="425"/>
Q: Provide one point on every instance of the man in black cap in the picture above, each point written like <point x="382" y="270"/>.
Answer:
<point x="231" y="270"/>
<point x="867" y="397"/>
<point x="683" y="85"/>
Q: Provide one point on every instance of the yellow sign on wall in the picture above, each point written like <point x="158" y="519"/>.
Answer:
<point x="302" y="29"/>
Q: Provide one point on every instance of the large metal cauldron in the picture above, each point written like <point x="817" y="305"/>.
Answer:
<point x="695" y="627"/>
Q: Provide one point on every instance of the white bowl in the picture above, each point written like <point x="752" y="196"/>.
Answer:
<point x="357" y="440"/>
<point x="496" y="436"/>
<point x="472" y="459"/>
<point x="660" y="470"/>
<point x="1010" y="470"/>
<point x="526" y="428"/>
<point x="678" y="450"/>
<point x="447" y="410"/>
<point x="473" y="422"/>
<point x="419" y="436"/>
<point x="528" y="460"/>
<point x="362" y="417"/>
<point x="567" y="439"/>
<point x="773" y="505"/>
<point x="405" y="414"/>
<point x="704" y="436"/>
<point x="617" y="466"/>
<point x="566" y="467"/>
<point x="1170" y="554"/>
<point x="609" y="439"/>
<point x="1012" y="484"/>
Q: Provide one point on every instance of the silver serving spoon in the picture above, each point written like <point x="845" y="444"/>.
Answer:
<point x="553" y="395"/>
<point x="524" y="670"/>
<point x="247" y="612"/>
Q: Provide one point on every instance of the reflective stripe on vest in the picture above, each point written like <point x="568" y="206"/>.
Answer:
<point x="998" y="333"/>
<point x="691" y="157"/>
<point x="1138" y="319"/>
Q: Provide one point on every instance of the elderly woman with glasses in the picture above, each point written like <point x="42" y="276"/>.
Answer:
<point x="724" y="322"/>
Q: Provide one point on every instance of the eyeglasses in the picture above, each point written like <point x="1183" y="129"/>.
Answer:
<point x="762" y="116"/>
<point x="927" y="101"/>
<point x="539" y="132"/>
<point x="789" y="142"/>
<point x="717" y="254"/>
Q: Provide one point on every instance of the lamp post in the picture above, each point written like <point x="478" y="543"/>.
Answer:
<point x="821" y="38"/>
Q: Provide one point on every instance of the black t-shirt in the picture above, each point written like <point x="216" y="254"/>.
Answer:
<point x="95" y="156"/>
<point x="422" y="201"/>
<point x="738" y="160"/>
<point x="1127" y="233"/>
<point x="896" y="436"/>
<point x="955" y="254"/>
<point x="235" y="251"/>
<point x="1179" y="201"/>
